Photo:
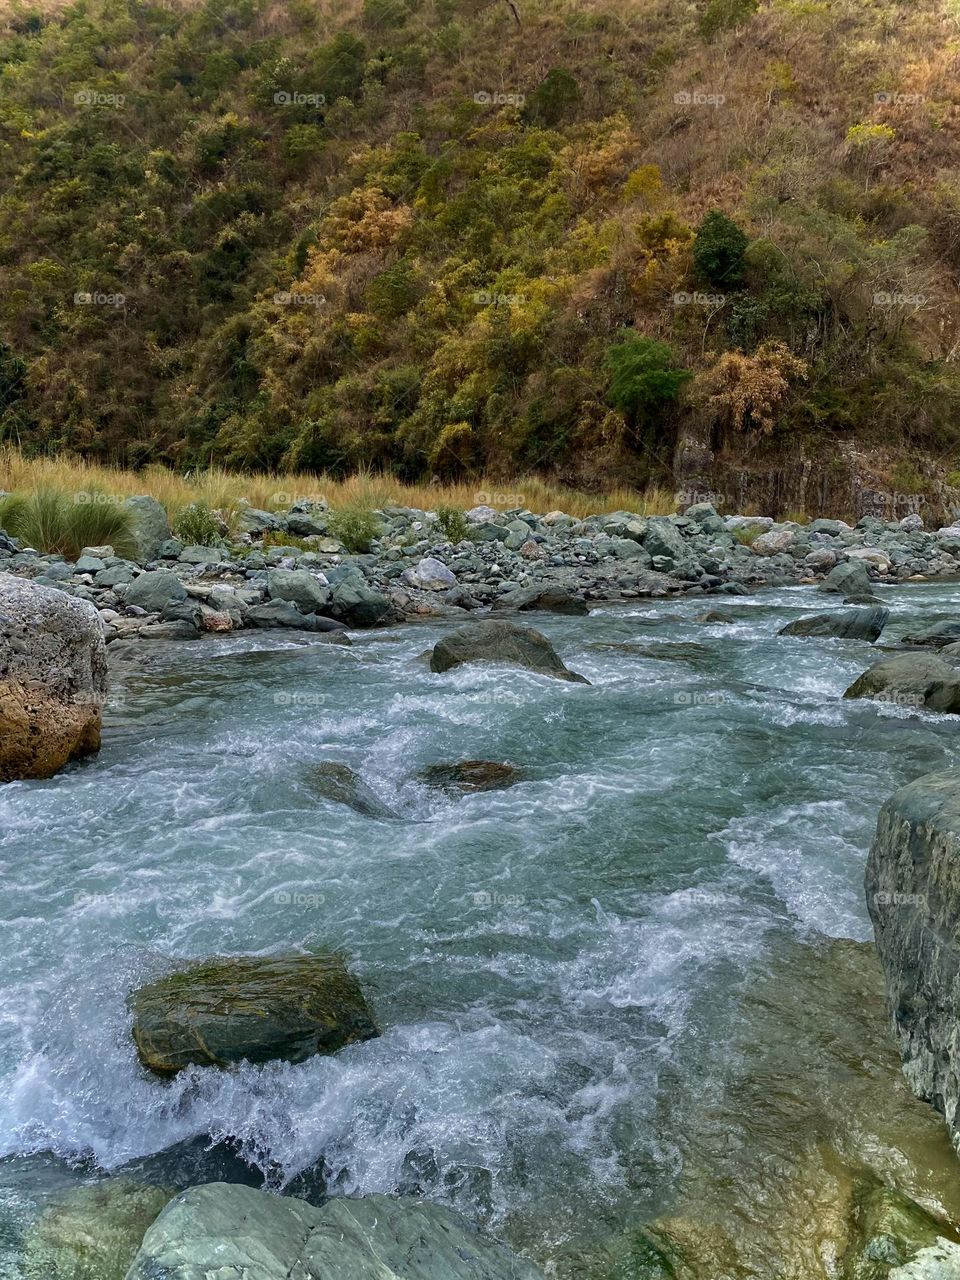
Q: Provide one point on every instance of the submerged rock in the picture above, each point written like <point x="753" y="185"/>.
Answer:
<point x="911" y="680"/>
<point x="913" y="896"/>
<point x="935" y="636"/>
<point x="92" y="1233"/>
<point x="339" y="783"/>
<point x="224" y="1230"/>
<point x="501" y="642"/>
<point x="471" y="775"/>
<point x="844" y="624"/>
<point x="53" y="679"/>
<point x="253" y="1008"/>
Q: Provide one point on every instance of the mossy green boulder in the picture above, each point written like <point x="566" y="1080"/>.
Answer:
<point x="249" y="1008"/>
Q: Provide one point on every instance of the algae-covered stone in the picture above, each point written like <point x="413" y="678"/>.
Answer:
<point x="235" y="1008"/>
<point x="501" y="642"/>
<point x="339" y="783"/>
<point x="470" y="776"/>
<point x="225" y="1230"/>
<point x="92" y="1233"/>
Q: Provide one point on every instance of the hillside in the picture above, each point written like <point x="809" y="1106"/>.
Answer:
<point x="709" y="244"/>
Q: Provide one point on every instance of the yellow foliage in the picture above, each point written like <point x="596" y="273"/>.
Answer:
<point x="746" y="391"/>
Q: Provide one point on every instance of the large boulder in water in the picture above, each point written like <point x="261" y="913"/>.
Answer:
<point x="936" y="636"/>
<point x="249" y="1008"/>
<point x="847" y="579"/>
<point x="222" y="1229"/>
<point x="53" y="679"/>
<point x="913" y="896"/>
<point x="542" y="599"/>
<point x="490" y="641"/>
<point x="844" y="624"/>
<point x="911" y="680"/>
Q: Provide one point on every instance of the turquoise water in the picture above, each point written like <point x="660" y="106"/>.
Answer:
<point x="547" y="962"/>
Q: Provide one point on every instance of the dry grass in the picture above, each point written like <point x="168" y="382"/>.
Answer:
<point x="225" y="490"/>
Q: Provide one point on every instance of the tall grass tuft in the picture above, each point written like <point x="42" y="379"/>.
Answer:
<point x="56" y="522"/>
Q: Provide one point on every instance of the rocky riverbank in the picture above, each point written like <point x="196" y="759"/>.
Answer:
<point x="500" y="559"/>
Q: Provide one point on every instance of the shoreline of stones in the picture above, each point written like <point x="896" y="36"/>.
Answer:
<point x="510" y="559"/>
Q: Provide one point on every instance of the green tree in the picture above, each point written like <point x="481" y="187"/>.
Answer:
<point x="555" y="98"/>
<point x="719" y="250"/>
<point x="643" y="375"/>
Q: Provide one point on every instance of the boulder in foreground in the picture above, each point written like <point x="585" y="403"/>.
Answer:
<point x="53" y="679"/>
<point x="913" y="896"/>
<point x="501" y="642"/>
<point x="252" y="1008"/>
<point x="223" y="1229"/>
<point x="911" y="680"/>
<point x="844" y="624"/>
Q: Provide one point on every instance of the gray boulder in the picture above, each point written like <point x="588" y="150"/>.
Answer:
<point x="664" y="543"/>
<point x="307" y="591"/>
<point x="225" y="1229"/>
<point x="911" y="680"/>
<point x="53" y="679"/>
<point x="501" y="642"/>
<point x="543" y="599"/>
<point x="155" y="590"/>
<point x="844" y="624"/>
<point x="355" y="603"/>
<point x="151" y="528"/>
<point x="430" y="574"/>
<point x="913" y="896"/>
<point x="284" y="613"/>
<point x="248" y="1008"/>
<point x="847" y="579"/>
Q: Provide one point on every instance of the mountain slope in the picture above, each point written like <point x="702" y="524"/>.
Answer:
<point x="438" y="236"/>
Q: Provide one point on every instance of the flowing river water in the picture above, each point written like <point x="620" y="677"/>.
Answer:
<point x="633" y="983"/>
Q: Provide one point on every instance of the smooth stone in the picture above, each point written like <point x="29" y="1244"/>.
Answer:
<point x="850" y="578"/>
<point x="430" y="574"/>
<point x="543" y="599"/>
<point x="309" y="592"/>
<point x="153" y="590"/>
<point x="911" y="680"/>
<point x="501" y="642"/>
<point x="846" y="624"/>
<point x="470" y="776"/>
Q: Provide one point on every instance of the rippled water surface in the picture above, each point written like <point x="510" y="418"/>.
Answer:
<point x="560" y="969"/>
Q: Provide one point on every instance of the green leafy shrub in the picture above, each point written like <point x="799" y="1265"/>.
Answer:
<point x="719" y="250"/>
<point x="555" y="98"/>
<point x="56" y="522"/>
<point x="453" y="524"/>
<point x="643" y="374"/>
<point x="356" y="527"/>
<point x="198" y="526"/>
<point x="722" y="15"/>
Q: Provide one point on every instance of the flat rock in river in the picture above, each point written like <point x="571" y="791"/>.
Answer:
<point x="253" y="1008"/>
<point x="501" y="642"/>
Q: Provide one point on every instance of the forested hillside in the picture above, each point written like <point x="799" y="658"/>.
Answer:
<point x="442" y="236"/>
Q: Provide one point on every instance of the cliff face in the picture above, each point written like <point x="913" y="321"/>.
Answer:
<point x="913" y="895"/>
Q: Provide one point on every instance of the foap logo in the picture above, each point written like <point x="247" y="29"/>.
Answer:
<point x="900" y="899"/>
<point x="683" y="299"/>
<point x="83" y="299"/>
<point x="284" y="501"/>
<point x="900" y="299"/>
<point x="284" y="299"/>
<point x="486" y="898"/>
<point x="293" y="99"/>
<point x="484" y="299"/>
<point x="697" y="98"/>
<point x="93" y="98"/>
<point x="298" y="699"/>
<point x="693" y="698"/>
<point x="296" y="898"/>
<point x="499" y="99"/>
<point x="91" y="498"/>
<point x="887" y="98"/>
<point x="899" y="699"/>
<point x="485" y="499"/>
<point x="693" y="497"/>
<point x="909" y="502"/>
